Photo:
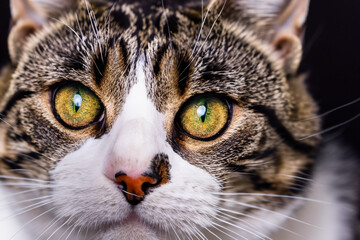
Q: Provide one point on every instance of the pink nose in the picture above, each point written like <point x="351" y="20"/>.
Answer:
<point x="135" y="186"/>
<point x="135" y="189"/>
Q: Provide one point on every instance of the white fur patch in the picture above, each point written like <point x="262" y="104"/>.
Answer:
<point x="138" y="134"/>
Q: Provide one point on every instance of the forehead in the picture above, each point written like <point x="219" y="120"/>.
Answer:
<point x="99" y="46"/>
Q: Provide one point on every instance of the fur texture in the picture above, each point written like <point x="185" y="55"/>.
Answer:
<point x="144" y="61"/>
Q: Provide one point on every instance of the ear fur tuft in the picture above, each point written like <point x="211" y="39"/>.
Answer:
<point x="30" y="16"/>
<point x="280" y="23"/>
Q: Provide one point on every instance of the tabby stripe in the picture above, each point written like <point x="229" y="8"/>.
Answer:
<point x="15" y="164"/>
<point x="125" y="54"/>
<point x="99" y="66"/>
<point x="13" y="100"/>
<point x="258" y="155"/>
<point x="11" y="164"/>
<point x="259" y="183"/>
<point x="296" y="187"/>
<point x="184" y="69"/>
<point x="282" y="131"/>
<point x="121" y="18"/>
<point x="159" y="56"/>
<point x="171" y="27"/>
<point x="253" y="156"/>
<point x="19" y="138"/>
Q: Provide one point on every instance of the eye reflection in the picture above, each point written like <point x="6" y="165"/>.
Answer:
<point x="201" y="112"/>
<point x="77" y="101"/>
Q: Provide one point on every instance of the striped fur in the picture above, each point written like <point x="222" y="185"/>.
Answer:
<point x="186" y="52"/>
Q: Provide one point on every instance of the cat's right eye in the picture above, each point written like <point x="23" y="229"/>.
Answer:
<point x="204" y="117"/>
<point x="76" y="106"/>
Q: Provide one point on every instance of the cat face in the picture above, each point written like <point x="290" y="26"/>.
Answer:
<point x="152" y="121"/>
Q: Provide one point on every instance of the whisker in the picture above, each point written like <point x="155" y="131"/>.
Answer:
<point x="272" y="195"/>
<point x="62" y="225"/>
<point x="64" y="232"/>
<point x="23" y="178"/>
<point x="330" y="128"/>
<point x="229" y="230"/>
<point x="268" y="210"/>
<point x="250" y="226"/>
<point x="48" y="226"/>
<point x="78" y="233"/>
<point x="297" y="177"/>
<point x="25" y="185"/>
<point x="237" y="219"/>
<point x="197" y="233"/>
<point x="332" y="110"/>
<point x="259" y="219"/>
<point x="215" y="235"/>
<point x="202" y="45"/>
<point x="73" y="228"/>
<point x="18" y="193"/>
<point x="193" y="229"/>
<point x="223" y="231"/>
<point x="132" y="194"/>
<point x="28" y="209"/>
<point x="81" y="40"/>
<point x="239" y="227"/>
<point x="108" y="22"/>
<point x="32" y="220"/>
<point x="24" y="201"/>
<point x="2" y="120"/>
<point x="167" y="21"/>
<point x="172" y="227"/>
<point x="94" y="27"/>
<point x="201" y="28"/>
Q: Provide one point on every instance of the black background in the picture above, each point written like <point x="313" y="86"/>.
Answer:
<point x="331" y="59"/>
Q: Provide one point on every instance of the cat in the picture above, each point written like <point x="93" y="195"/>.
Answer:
<point x="164" y="120"/>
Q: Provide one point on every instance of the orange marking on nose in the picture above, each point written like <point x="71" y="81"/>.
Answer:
<point x="134" y="187"/>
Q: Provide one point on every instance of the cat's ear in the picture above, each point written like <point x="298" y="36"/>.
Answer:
<point x="28" y="17"/>
<point x="277" y="22"/>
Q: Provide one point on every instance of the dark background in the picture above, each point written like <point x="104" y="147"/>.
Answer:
<point x="331" y="58"/>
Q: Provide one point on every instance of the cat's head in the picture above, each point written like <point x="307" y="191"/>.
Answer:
<point x="154" y="118"/>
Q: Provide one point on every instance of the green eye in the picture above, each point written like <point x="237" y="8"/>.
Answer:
<point x="77" y="106"/>
<point x="204" y="118"/>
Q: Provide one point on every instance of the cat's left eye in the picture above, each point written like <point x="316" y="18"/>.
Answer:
<point x="76" y="106"/>
<point x="204" y="117"/>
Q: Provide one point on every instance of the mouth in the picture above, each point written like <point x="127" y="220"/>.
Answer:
<point x="133" y="227"/>
<point x="132" y="218"/>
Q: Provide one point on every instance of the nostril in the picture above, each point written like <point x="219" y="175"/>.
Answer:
<point x="146" y="186"/>
<point x="122" y="185"/>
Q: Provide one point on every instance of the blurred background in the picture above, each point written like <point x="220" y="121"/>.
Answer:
<point x="331" y="59"/>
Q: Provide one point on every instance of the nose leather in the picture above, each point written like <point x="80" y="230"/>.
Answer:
<point x="135" y="189"/>
<point x="136" y="186"/>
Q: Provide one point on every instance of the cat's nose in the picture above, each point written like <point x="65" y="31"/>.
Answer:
<point x="135" y="189"/>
